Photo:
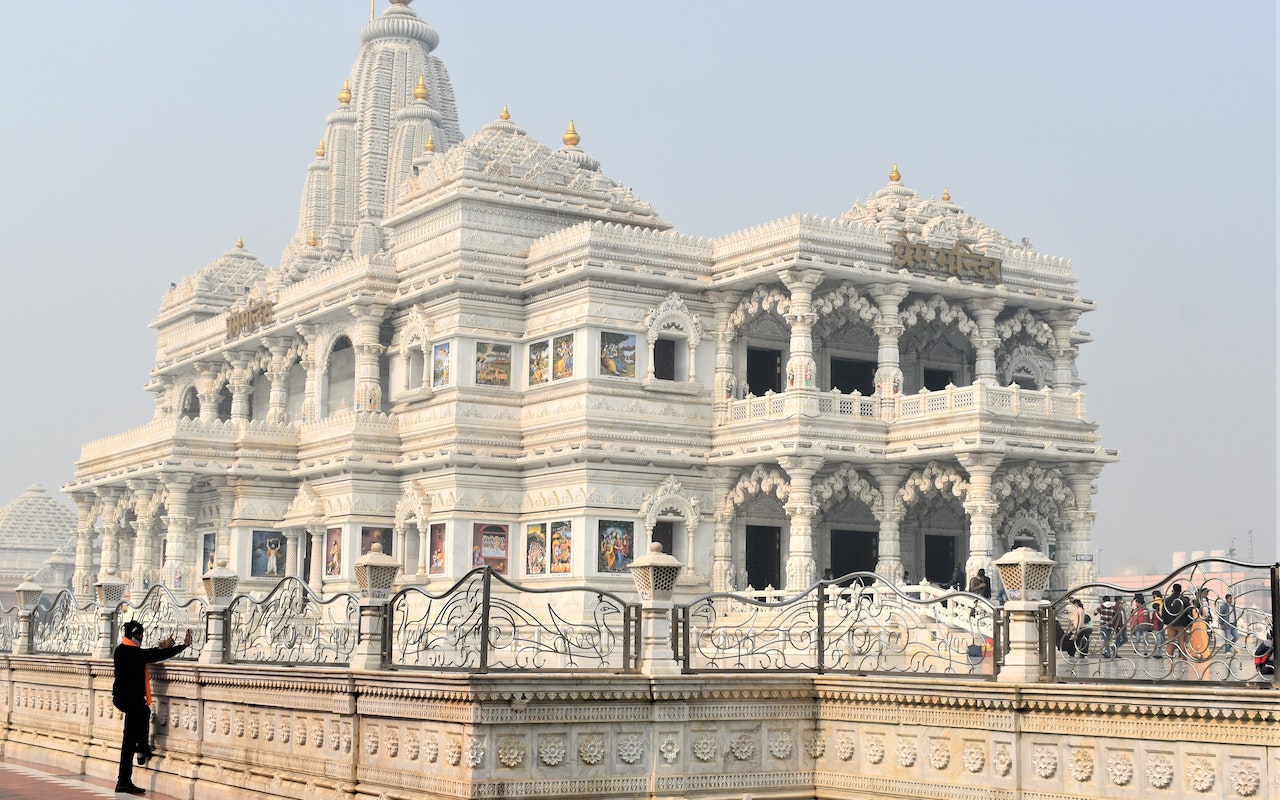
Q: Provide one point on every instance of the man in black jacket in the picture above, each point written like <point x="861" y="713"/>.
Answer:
<point x="131" y="693"/>
<point x="1175" y="613"/>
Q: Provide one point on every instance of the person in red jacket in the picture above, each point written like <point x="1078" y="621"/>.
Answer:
<point x="131" y="693"/>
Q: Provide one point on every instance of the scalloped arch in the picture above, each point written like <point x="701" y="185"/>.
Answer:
<point x="668" y="497"/>
<point x="933" y="478"/>
<point x="1023" y="321"/>
<point x="764" y="298"/>
<point x="846" y="481"/>
<point x="672" y="314"/>
<point x="761" y="481"/>
<point x="937" y="309"/>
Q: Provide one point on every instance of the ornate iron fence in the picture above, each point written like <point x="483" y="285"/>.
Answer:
<point x="858" y="623"/>
<point x="1118" y="633"/>
<point x="8" y="628"/>
<point x="293" y="625"/>
<point x="65" y="627"/>
<point x="163" y="615"/>
<point x="485" y="623"/>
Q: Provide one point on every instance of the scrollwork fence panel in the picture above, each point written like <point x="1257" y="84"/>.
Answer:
<point x="163" y="615"/>
<point x="65" y="627"/>
<point x="293" y="625"/>
<point x="8" y="628"/>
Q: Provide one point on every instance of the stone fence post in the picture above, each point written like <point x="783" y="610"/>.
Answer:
<point x="1025" y="575"/>
<point x="28" y="599"/>
<point x="655" y="575"/>
<point x="110" y="592"/>
<point x="376" y="574"/>
<point x="219" y="587"/>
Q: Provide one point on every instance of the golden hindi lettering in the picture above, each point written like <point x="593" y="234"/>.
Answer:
<point x="959" y="261"/>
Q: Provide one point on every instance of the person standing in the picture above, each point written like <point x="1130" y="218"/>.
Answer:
<point x="1176" y="615"/>
<point x="980" y="584"/>
<point x="1229" y="621"/>
<point x="131" y="693"/>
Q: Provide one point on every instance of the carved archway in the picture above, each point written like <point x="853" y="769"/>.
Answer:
<point x="933" y="478"/>
<point x="762" y="300"/>
<point x="674" y="315"/>
<point x="846" y="482"/>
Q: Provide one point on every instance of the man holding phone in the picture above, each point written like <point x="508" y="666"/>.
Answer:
<point x="131" y="693"/>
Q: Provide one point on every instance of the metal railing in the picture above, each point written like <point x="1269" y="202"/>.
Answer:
<point x="485" y="623"/>
<point x="858" y="623"/>
<point x="64" y="627"/>
<point x="164" y="615"/>
<point x="292" y="625"/>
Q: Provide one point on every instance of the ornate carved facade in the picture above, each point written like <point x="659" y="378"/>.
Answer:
<point x="483" y="350"/>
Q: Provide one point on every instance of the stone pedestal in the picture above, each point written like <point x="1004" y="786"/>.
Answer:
<point x="655" y="575"/>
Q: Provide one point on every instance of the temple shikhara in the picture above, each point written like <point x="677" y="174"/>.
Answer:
<point x="485" y="350"/>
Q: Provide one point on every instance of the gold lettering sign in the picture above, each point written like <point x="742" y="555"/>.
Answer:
<point x="959" y="260"/>
<point x="251" y="318"/>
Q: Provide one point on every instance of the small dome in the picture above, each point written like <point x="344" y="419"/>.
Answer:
<point x="35" y="521"/>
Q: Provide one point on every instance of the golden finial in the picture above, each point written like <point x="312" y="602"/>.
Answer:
<point x="505" y="113"/>
<point x="320" y="149"/>
<point x="430" y="146"/>
<point x="344" y="96"/>
<point x="946" y="194"/>
<point x="571" y="137"/>
<point x="371" y="10"/>
<point x="895" y="176"/>
<point x="240" y="243"/>
<point x="312" y="241"/>
<point x="420" y="91"/>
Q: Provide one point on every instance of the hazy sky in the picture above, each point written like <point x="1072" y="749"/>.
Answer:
<point x="139" y="140"/>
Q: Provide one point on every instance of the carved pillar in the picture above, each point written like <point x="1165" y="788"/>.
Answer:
<point x="175" y="569"/>
<point x="802" y="570"/>
<point x="293" y="544"/>
<point x="207" y="390"/>
<point x="368" y="391"/>
<point x="980" y="507"/>
<point x="801" y="367"/>
<point x="278" y="375"/>
<point x="401" y="538"/>
<point x="83" y="578"/>
<point x="986" y="341"/>
<point x="1063" y="352"/>
<point x="311" y="397"/>
<point x="888" y="367"/>
<point x="1079" y="571"/>
<point x="241" y="383"/>
<point x="424" y="547"/>
<point x="143" y="572"/>
<point x="724" y="386"/>
<point x="108" y="505"/>
<point x="226" y="501"/>
<point x="889" y="514"/>
<point x="722" y="571"/>
<point x="316" y="579"/>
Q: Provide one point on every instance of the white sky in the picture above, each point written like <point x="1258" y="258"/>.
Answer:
<point x="139" y="140"/>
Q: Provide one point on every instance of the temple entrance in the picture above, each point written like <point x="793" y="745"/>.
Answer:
<point x="939" y="558"/>
<point x="854" y="551"/>
<point x="764" y="556"/>
<point x="848" y="374"/>
<point x="764" y="371"/>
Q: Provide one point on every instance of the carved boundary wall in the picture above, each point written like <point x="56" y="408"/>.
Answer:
<point x="231" y="731"/>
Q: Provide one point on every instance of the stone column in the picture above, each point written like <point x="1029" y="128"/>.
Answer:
<point x="725" y="387"/>
<point x="142" y="574"/>
<point x="801" y="367"/>
<point x="986" y="341"/>
<point x="1080" y="571"/>
<point x="722" y="570"/>
<point x="207" y="390"/>
<point x="401" y="538"/>
<point x="368" y="390"/>
<point x="802" y="570"/>
<point x="889" y="514"/>
<point x="108" y="500"/>
<point x="888" y="367"/>
<point x="294" y="543"/>
<point x="980" y="507"/>
<point x="84" y="576"/>
<point x="241" y="384"/>
<point x="278" y="375"/>
<point x="175" y="568"/>
<point x="316" y="579"/>
<point x="424" y="547"/>
<point x="1063" y="352"/>
<point x="311" y="398"/>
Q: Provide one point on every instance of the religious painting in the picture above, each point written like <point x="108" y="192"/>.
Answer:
<point x="616" y="547"/>
<point x="561" y="547"/>
<point x="539" y="363"/>
<point x="333" y="551"/>
<point x="493" y="364"/>
<point x="209" y="553"/>
<point x="371" y="536"/>
<point x="618" y="355"/>
<point x="266" y="558"/>
<point x="535" y="549"/>
<point x="435" y="566"/>
<point x="562" y="363"/>
<point x="489" y="547"/>
<point x="440" y="364"/>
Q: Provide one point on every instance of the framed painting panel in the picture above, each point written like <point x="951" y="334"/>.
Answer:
<point x="616" y="545"/>
<point x="617" y="354"/>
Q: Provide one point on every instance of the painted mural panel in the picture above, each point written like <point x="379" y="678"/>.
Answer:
<point x="371" y="536"/>
<point x="436" y="564"/>
<point x="441" y="364"/>
<point x="539" y="363"/>
<point x="562" y="364"/>
<point x="493" y="364"/>
<point x="489" y="546"/>
<point x="618" y="354"/>
<point x="333" y="551"/>
<point x="535" y="549"/>
<point x="561" y="547"/>
<point x="616" y="545"/>
<point x="267" y="555"/>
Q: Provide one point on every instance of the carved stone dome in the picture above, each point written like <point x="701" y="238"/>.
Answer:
<point x="35" y="521"/>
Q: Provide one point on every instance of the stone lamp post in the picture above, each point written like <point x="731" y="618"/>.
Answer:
<point x="219" y="587"/>
<point x="376" y="574"/>
<point x="1025" y="574"/>
<point x="655" y="575"/>
<point x="28" y="598"/>
<point x="110" y="591"/>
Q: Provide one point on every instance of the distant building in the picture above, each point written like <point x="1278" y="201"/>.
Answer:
<point x="32" y="529"/>
<point x="485" y="351"/>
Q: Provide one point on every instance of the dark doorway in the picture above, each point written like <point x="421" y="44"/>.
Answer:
<point x="764" y="556"/>
<point x="848" y="374"/>
<point x="935" y="380"/>
<point x="854" y="551"/>
<point x="664" y="533"/>
<point x="664" y="359"/>
<point x="764" y="371"/>
<point x="939" y="558"/>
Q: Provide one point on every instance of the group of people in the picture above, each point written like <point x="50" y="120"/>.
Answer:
<point x="1182" y="624"/>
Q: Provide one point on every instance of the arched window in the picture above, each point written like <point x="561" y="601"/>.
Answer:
<point x="224" y="403"/>
<point x="189" y="408"/>
<point x="340" y="390"/>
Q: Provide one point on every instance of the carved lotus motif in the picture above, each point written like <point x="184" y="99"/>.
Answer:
<point x="1045" y="762"/>
<point x="317" y="733"/>
<point x="371" y="740"/>
<point x="973" y="757"/>
<point x="253" y="727"/>
<point x="939" y="755"/>
<point x="906" y="752"/>
<point x="239" y="726"/>
<point x="591" y="749"/>
<point x="453" y="751"/>
<point x="511" y="751"/>
<point x="1160" y="772"/>
<point x="475" y="753"/>
<point x="1120" y="769"/>
<point x="780" y="746"/>
<point x="211" y="724"/>
<point x="1245" y="778"/>
<point x="743" y="746"/>
<point x="705" y="746"/>
<point x="226" y="723"/>
<point x="432" y="748"/>
<point x="412" y="745"/>
<point x="815" y="745"/>
<point x="630" y="748"/>
<point x="844" y="746"/>
<point x="875" y="750"/>
<point x="1002" y="760"/>
<point x="670" y="749"/>
<point x="393" y="743"/>
<point x="1200" y="774"/>
<point x="1082" y="765"/>
<point x="552" y="751"/>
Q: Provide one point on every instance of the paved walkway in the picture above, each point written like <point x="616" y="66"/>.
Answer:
<point x="20" y="781"/>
